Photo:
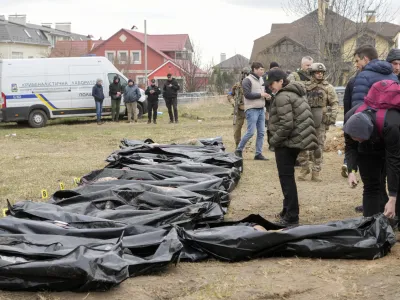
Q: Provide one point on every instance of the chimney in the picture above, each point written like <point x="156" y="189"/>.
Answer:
<point x="64" y="26"/>
<point x="48" y="25"/>
<point x="20" y="19"/>
<point x="322" y="7"/>
<point x="370" y="16"/>
<point x="89" y="45"/>
<point x="223" y="57"/>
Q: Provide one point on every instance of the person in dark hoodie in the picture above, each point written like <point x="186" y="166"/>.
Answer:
<point x="170" y="94"/>
<point x="292" y="130"/>
<point x="372" y="150"/>
<point x="115" y="92"/>
<point x="371" y="70"/>
<point x="131" y="96"/>
<point x="98" y="95"/>
<point x="394" y="58"/>
<point x="152" y="92"/>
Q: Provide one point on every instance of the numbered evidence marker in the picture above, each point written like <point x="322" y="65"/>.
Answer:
<point x="5" y="212"/>
<point x="45" y="194"/>
<point x="62" y="186"/>
<point x="77" y="180"/>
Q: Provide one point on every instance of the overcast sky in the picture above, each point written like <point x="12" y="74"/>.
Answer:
<point x="215" y="26"/>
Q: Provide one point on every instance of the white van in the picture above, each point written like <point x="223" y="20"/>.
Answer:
<point x="35" y="90"/>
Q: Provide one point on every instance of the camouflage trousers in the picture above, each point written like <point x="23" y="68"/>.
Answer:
<point x="237" y="131"/>
<point x="315" y="157"/>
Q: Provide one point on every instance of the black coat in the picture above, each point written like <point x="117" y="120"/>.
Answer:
<point x="154" y="96"/>
<point x="115" y="88"/>
<point x="388" y="147"/>
<point x="171" y="92"/>
<point x="98" y="93"/>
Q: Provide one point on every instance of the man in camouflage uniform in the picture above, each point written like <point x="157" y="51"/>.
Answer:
<point x="237" y="95"/>
<point x="302" y="74"/>
<point x="324" y="103"/>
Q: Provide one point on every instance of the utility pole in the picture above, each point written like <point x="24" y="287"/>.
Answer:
<point x="145" y="52"/>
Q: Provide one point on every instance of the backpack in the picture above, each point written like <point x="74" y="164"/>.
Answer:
<point x="383" y="95"/>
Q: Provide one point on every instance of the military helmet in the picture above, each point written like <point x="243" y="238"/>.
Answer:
<point x="246" y="70"/>
<point x="317" y="67"/>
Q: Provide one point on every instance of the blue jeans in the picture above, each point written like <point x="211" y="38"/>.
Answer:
<point x="99" y="109"/>
<point x="255" y="118"/>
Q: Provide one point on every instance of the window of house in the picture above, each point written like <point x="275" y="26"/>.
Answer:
<point x="110" y="55"/>
<point x="141" y="80"/>
<point x="181" y="55"/>
<point x="290" y="47"/>
<point x="136" y="57"/>
<point x="17" y="55"/>
<point x="27" y="33"/>
<point x="122" y="57"/>
<point x="30" y="56"/>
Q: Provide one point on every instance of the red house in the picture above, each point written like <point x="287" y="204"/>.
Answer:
<point x="170" y="53"/>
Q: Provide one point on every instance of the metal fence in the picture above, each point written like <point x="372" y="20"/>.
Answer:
<point x="187" y="98"/>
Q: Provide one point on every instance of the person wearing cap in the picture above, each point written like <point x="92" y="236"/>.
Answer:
<point x="320" y="96"/>
<point x="170" y="94"/>
<point x="115" y="92"/>
<point x="254" y="106"/>
<point x="394" y="58"/>
<point x="237" y="96"/>
<point x="131" y="96"/>
<point x="152" y="92"/>
<point x="368" y="151"/>
<point x="292" y="130"/>
<point x="98" y="95"/>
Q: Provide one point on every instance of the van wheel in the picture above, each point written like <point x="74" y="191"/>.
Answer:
<point x="140" y="111"/>
<point x="37" y="119"/>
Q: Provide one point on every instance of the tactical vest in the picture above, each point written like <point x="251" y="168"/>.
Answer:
<point x="317" y="93"/>
<point x="317" y="96"/>
<point x="299" y="76"/>
<point x="256" y="87"/>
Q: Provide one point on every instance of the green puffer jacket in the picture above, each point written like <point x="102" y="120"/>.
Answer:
<point x="291" y="121"/>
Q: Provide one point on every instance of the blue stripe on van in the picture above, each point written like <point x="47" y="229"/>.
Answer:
<point x="27" y="96"/>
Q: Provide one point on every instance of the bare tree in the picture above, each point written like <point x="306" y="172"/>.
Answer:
<point x="331" y="36"/>
<point x="194" y="73"/>
<point x="124" y="66"/>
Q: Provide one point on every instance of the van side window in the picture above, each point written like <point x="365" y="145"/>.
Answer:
<point x="111" y="76"/>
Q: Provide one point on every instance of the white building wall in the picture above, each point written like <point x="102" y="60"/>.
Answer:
<point x="27" y="51"/>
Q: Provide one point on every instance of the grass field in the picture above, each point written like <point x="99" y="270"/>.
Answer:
<point x="37" y="159"/>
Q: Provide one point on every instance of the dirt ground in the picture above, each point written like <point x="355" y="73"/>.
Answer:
<point x="39" y="158"/>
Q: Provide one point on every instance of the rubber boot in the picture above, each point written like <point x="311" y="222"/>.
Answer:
<point x="315" y="176"/>
<point x="303" y="174"/>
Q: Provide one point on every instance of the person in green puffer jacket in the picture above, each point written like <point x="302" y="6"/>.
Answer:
<point x="292" y="130"/>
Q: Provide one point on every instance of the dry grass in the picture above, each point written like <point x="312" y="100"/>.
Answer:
<point x="39" y="158"/>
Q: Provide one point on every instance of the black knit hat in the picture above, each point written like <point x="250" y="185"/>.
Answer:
<point x="394" y="54"/>
<point x="275" y="75"/>
<point x="130" y="80"/>
<point x="273" y="65"/>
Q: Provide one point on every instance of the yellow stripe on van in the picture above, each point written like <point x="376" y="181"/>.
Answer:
<point x="44" y="102"/>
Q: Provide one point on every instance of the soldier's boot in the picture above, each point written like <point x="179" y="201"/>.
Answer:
<point x="303" y="174"/>
<point x="315" y="177"/>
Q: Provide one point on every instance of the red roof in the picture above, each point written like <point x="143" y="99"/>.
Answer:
<point x="72" y="48"/>
<point x="163" y="42"/>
